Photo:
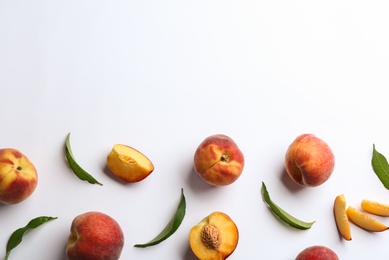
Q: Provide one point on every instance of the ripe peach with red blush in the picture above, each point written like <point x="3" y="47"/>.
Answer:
<point x="18" y="176"/>
<point x="317" y="252"/>
<point x="94" y="236"/>
<point x="309" y="160"/>
<point x="218" y="160"/>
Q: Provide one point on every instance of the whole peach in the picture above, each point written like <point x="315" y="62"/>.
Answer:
<point x="94" y="236"/>
<point x="309" y="161"/>
<point x="218" y="160"/>
<point x="317" y="253"/>
<point x="18" y="176"/>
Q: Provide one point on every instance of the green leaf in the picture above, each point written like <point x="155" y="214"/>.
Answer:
<point x="75" y="167"/>
<point x="380" y="167"/>
<point x="172" y="226"/>
<point x="17" y="236"/>
<point x="283" y="215"/>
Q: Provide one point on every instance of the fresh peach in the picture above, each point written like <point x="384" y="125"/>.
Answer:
<point x="309" y="161"/>
<point x="317" y="253"/>
<point x="215" y="237"/>
<point x="94" y="236"/>
<point x="129" y="164"/>
<point x="218" y="160"/>
<point x="18" y="176"/>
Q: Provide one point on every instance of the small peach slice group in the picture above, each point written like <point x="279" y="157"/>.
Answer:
<point x="364" y="221"/>
<point x="214" y="238"/>
<point x="128" y="163"/>
<point x="341" y="218"/>
<point x="375" y="208"/>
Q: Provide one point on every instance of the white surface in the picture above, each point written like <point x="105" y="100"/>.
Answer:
<point x="163" y="75"/>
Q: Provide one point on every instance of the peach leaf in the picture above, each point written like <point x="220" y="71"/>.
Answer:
<point x="171" y="227"/>
<point x="17" y="236"/>
<point x="282" y="214"/>
<point x="380" y="167"/>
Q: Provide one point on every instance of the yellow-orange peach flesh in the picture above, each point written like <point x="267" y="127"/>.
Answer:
<point x="375" y="208"/>
<point x="128" y="163"/>
<point x="365" y="221"/>
<point x="309" y="161"/>
<point x="341" y="219"/>
<point x="214" y="238"/>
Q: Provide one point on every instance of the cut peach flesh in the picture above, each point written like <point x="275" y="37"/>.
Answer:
<point x="228" y="233"/>
<point x="341" y="218"/>
<point x="375" y="208"/>
<point x="364" y="221"/>
<point x="128" y="163"/>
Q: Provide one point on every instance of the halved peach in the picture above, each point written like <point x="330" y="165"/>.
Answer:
<point x="375" y="208"/>
<point x="364" y="221"/>
<point x="214" y="238"/>
<point x="128" y="163"/>
<point x="341" y="218"/>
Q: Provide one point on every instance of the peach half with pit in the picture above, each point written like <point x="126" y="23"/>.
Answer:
<point x="215" y="237"/>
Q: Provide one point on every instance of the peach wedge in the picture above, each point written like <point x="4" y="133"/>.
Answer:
<point x="128" y="163"/>
<point x="214" y="238"/>
<point x="364" y="221"/>
<point x="341" y="218"/>
<point x="375" y="208"/>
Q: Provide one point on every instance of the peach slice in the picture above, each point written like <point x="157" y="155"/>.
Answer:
<point x="375" y="208"/>
<point x="364" y="221"/>
<point x="341" y="218"/>
<point x="128" y="163"/>
<point x="214" y="238"/>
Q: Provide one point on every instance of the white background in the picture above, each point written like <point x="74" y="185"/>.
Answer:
<point x="163" y="75"/>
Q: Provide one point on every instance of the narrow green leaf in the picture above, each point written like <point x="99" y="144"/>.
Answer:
<point x="284" y="216"/>
<point x="75" y="167"/>
<point x="17" y="236"/>
<point x="380" y="167"/>
<point x="172" y="226"/>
